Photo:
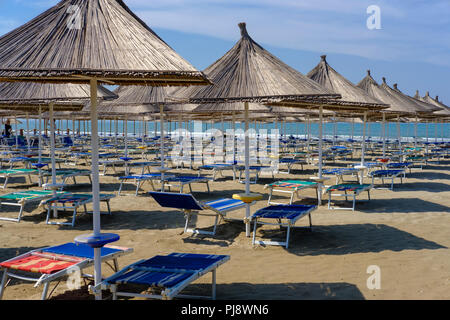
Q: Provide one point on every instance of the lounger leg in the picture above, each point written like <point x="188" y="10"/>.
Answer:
<point x="213" y="293"/>
<point x="44" y="292"/>
<point x="120" y="187"/>
<point x="254" y="231"/>
<point x="20" y="213"/>
<point x="3" y="284"/>
<point x="109" y="207"/>
<point x="74" y="215"/>
<point x="288" y="235"/>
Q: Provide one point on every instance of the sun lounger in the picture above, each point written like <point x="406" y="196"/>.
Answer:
<point x="65" y="174"/>
<point x="218" y="168"/>
<point x="341" y="172"/>
<point x="72" y="202"/>
<point x="110" y="163"/>
<point x="349" y="190"/>
<point x="21" y="199"/>
<point x="7" y="174"/>
<point x="165" y="276"/>
<point x="399" y="165"/>
<point x="388" y="174"/>
<point x="140" y="179"/>
<point x="181" y="181"/>
<point x="284" y="215"/>
<point x="290" y="163"/>
<point x="291" y="187"/>
<point x="190" y="206"/>
<point x="256" y="169"/>
<point x="42" y="266"/>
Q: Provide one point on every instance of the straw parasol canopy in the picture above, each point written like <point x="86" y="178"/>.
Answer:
<point x="80" y="39"/>
<point x="28" y="96"/>
<point x="249" y="73"/>
<point x="399" y="103"/>
<point x="444" y="111"/>
<point x="329" y="78"/>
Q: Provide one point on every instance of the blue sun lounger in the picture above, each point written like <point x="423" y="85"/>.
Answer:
<point x="166" y="276"/>
<point x="181" y="181"/>
<point x="399" y="165"/>
<point x="341" y="172"/>
<point x="190" y="206"/>
<point x="140" y="179"/>
<point x="347" y="190"/>
<point x="68" y="201"/>
<point x="218" y="168"/>
<point x="42" y="266"/>
<point x="388" y="174"/>
<point x="285" y="215"/>
<point x="290" y="163"/>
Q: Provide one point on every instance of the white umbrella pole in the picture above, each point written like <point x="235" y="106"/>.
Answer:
<point x="28" y="132"/>
<point x="40" y="146"/>
<point x="95" y="184"/>
<point x="247" y="171"/>
<point x="384" y="135"/>
<point x="16" y="133"/>
<point x="353" y="128"/>
<point x="415" y="132"/>
<point x="363" y="145"/>
<point x="126" y="136"/>
<point x="398" y="133"/>
<point x="161" y="119"/>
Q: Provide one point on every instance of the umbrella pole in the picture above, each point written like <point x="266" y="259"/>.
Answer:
<point x="28" y="132"/>
<point x="384" y="135"/>
<point x="363" y="145"/>
<point x="247" y="171"/>
<point x="161" y="119"/>
<point x="415" y="132"/>
<point x="40" y="146"/>
<point x="126" y="137"/>
<point x="16" y="133"/>
<point x="52" y="152"/>
<point x="95" y="184"/>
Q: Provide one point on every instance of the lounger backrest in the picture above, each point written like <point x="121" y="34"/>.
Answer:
<point x="176" y="200"/>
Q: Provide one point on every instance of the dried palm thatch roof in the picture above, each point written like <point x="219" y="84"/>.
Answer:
<point x="399" y="103"/>
<point x="132" y="100"/>
<point x="329" y="78"/>
<point x="80" y="39"/>
<point x="249" y="73"/>
<point x="230" y="107"/>
<point x="28" y="96"/>
<point x="443" y="109"/>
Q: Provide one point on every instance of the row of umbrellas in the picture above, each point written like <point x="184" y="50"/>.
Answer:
<point x="52" y="65"/>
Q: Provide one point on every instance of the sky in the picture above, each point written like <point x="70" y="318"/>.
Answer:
<point x="411" y="47"/>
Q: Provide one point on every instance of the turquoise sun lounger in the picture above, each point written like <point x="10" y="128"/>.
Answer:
<point x="21" y="199"/>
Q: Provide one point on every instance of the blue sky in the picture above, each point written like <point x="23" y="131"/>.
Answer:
<point x="412" y="48"/>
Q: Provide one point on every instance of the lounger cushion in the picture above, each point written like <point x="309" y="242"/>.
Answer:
<point x="290" y="212"/>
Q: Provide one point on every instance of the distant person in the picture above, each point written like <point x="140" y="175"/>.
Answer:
<point x="8" y="128"/>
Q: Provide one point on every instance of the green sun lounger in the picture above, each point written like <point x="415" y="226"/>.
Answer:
<point x="291" y="187"/>
<point x="6" y="174"/>
<point x="347" y="190"/>
<point x="21" y="199"/>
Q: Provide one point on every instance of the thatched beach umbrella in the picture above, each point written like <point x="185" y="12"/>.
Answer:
<point x="103" y="41"/>
<point x="400" y="105"/>
<point x="329" y="78"/>
<point x="35" y="97"/>
<point x="248" y="73"/>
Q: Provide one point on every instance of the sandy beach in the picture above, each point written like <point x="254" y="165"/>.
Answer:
<point x="404" y="232"/>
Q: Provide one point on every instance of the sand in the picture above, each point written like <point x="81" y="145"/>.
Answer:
<point x="404" y="232"/>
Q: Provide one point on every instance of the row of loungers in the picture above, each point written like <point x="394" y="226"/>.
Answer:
<point x="165" y="275"/>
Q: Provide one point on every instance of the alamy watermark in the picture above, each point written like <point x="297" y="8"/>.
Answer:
<point x="374" y="20"/>
<point x="374" y="280"/>
<point x="74" y="20"/>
